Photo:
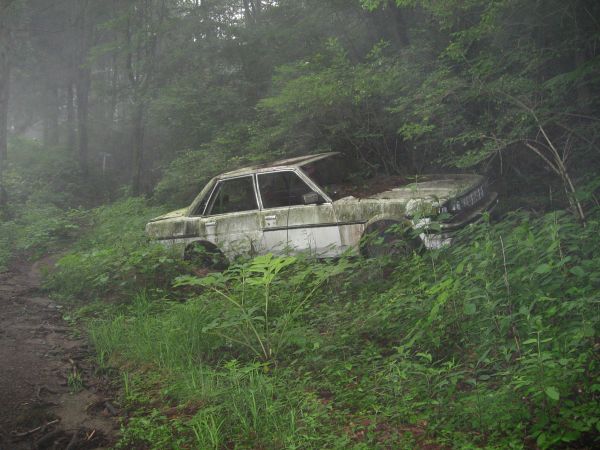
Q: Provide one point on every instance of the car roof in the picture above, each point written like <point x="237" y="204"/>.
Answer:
<point x="288" y="163"/>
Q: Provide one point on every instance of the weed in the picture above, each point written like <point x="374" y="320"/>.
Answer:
<point x="75" y="381"/>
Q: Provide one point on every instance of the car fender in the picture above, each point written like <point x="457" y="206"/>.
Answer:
<point x="370" y="226"/>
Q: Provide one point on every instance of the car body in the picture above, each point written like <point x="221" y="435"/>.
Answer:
<point x="294" y="205"/>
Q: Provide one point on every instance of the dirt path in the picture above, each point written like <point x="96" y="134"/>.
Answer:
<point x="49" y="397"/>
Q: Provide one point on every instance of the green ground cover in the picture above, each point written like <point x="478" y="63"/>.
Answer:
<point x="491" y="343"/>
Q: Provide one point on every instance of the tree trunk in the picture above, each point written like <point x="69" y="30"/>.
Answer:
<point x="584" y="93"/>
<point x="83" y="88"/>
<point x="138" y="148"/>
<point x="71" y="136"/>
<point x="83" y="84"/>
<point x="51" y="115"/>
<point x="389" y="23"/>
<point x="140" y="79"/>
<point x="4" y="93"/>
<point x="247" y="12"/>
<point x="252" y="10"/>
<point x="114" y="90"/>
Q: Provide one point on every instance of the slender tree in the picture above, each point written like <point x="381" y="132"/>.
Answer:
<point x="85" y="30"/>
<point x="5" y="69"/>
<point x="142" y="34"/>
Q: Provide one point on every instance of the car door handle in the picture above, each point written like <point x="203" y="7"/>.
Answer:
<point x="270" y="217"/>
<point x="211" y="224"/>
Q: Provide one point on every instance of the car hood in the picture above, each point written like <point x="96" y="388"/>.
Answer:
<point x="171" y="215"/>
<point x="440" y="187"/>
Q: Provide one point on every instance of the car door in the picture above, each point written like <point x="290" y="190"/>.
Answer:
<point x="289" y="224"/>
<point x="231" y="217"/>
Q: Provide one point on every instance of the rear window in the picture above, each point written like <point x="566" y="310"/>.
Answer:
<point x="280" y="189"/>
<point x="333" y="174"/>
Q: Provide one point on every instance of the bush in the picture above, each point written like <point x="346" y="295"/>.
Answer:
<point x="114" y="258"/>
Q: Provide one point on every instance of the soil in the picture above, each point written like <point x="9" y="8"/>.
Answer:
<point x="51" y="396"/>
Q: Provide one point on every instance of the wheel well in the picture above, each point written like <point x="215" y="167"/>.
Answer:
<point x="205" y="254"/>
<point x="383" y="223"/>
<point x="209" y="247"/>
<point x="379" y="226"/>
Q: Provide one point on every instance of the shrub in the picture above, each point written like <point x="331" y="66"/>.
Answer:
<point x="114" y="258"/>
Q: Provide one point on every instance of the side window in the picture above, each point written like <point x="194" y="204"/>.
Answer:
<point x="233" y="196"/>
<point x="279" y="189"/>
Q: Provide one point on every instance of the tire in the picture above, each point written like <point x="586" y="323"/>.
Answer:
<point x="389" y="238"/>
<point x="204" y="255"/>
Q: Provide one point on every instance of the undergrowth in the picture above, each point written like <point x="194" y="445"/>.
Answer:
<point x="491" y="343"/>
<point x="113" y="258"/>
<point x="44" y="210"/>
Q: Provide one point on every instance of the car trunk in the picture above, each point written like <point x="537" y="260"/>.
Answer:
<point x="439" y="186"/>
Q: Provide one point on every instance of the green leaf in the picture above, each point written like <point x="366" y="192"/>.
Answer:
<point x="543" y="268"/>
<point x="470" y="309"/>
<point x="460" y="267"/>
<point x="552" y="392"/>
<point x="577" y="271"/>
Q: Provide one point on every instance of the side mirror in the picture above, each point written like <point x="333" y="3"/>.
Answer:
<point x="311" y="198"/>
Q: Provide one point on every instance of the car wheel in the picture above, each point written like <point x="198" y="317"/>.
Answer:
<point x="204" y="255"/>
<point x="389" y="238"/>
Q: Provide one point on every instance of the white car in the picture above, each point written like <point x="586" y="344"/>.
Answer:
<point x="311" y="204"/>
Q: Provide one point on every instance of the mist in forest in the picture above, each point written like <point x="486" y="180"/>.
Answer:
<point x="145" y="93"/>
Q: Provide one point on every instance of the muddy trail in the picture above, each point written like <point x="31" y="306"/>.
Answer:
<point x="50" y="397"/>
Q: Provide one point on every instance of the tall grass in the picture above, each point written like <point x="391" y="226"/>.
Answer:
<point x="239" y="399"/>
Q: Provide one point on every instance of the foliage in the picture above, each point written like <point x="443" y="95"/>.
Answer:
<point x="41" y="174"/>
<point x="404" y="86"/>
<point x="329" y="103"/>
<point x="495" y="92"/>
<point x="445" y="92"/>
<point x="490" y="343"/>
<point x="188" y="173"/>
<point x="254" y="311"/>
<point x="114" y="257"/>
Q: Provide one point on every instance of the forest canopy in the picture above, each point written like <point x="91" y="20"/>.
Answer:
<point x="161" y="94"/>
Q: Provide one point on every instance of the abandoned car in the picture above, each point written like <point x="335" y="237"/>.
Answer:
<point x="313" y="204"/>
